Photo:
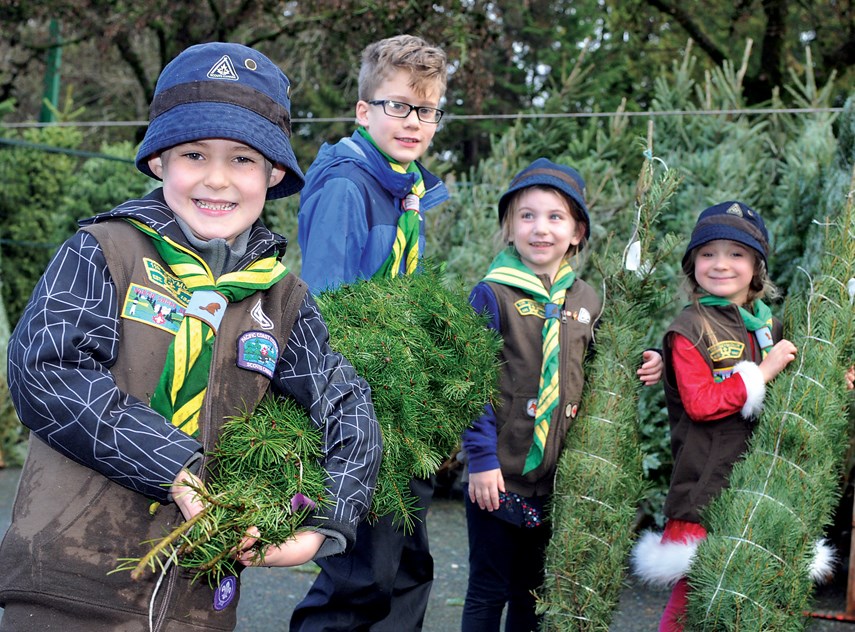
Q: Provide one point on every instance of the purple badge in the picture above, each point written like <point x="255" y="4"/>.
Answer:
<point x="257" y="351"/>
<point x="225" y="592"/>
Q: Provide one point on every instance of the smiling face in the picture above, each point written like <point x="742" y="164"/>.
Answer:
<point x="217" y="186"/>
<point x="725" y="268"/>
<point x="404" y="139"/>
<point x="543" y="229"/>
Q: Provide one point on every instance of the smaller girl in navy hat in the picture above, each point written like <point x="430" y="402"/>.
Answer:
<point x="720" y="353"/>
<point x="546" y="317"/>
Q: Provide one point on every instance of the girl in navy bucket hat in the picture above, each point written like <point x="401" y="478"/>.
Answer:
<point x="143" y="338"/>
<point x="546" y="317"/>
<point x="720" y="353"/>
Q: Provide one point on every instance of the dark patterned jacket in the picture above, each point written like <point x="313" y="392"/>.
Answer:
<point x="80" y="376"/>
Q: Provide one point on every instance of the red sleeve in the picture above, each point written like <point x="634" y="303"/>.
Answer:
<point x="703" y="398"/>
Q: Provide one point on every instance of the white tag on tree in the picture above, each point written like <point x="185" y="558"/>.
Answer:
<point x="632" y="261"/>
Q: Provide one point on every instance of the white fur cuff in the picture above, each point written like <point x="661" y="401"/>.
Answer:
<point x="823" y="562"/>
<point x="661" y="563"/>
<point x="755" y="388"/>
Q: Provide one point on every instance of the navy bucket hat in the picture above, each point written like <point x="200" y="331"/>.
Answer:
<point x="730" y="220"/>
<point x="224" y="90"/>
<point x="543" y="172"/>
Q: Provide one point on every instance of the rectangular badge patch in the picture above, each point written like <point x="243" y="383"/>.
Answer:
<point x="148" y="306"/>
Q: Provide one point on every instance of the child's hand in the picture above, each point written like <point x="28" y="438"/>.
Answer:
<point x="184" y="494"/>
<point x="651" y="368"/>
<point x="850" y="378"/>
<point x="298" y="550"/>
<point x="484" y="488"/>
<point x="778" y="357"/>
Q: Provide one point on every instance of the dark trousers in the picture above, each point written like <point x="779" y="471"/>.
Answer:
<point x="382" y="584"/>
<point x="505" y="566"/>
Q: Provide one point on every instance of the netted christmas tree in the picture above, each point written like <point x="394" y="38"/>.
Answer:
<point x="753" y="570"/>
<point x="599" y="478"/>
<point x="431" y="363"/>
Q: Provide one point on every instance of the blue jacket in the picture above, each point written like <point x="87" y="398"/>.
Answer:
<point x="349" y="212"/>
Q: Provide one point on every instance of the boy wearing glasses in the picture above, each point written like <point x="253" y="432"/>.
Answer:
<point x="361" y="189"/>
<point x="360" y="218"/>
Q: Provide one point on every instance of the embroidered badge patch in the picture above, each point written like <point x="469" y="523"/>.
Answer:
<point x="531" y="407"/>
<point x="528" y="307"/>
<point x="726" y="350"/>
<point x="148" y="306"/>
<point x="159" y="276"/>
<point x="720" y="375"/>
<point x="208" y="306"/>
<point x="257" y="351"/>
<point x="225" y="592"/>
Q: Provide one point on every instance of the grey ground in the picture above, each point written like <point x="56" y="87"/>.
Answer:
<point x="269" y="594"/>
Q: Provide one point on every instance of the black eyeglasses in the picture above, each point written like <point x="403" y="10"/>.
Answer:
<point x="399" y="109"/>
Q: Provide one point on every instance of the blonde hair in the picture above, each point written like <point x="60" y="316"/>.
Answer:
<point x="761" y="285"/>
<point x="575" y="212"/>
<point x="427" y="65"/>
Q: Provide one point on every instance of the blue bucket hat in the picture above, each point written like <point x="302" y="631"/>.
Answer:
<point x="730" y="220"/>
<point x="543" y="172"/>
<point x="224" y="90"/>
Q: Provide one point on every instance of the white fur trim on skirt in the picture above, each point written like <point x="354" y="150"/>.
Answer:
<point x="662" y="564"/>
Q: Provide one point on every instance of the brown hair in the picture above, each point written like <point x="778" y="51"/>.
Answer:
<point x="427" y="65"/>
<point x="575" y="212"/>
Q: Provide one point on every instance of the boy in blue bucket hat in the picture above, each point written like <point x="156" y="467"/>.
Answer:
<point x="135" y="347"/>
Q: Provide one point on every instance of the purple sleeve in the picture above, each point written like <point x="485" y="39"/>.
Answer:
<point x="479" y="440"/>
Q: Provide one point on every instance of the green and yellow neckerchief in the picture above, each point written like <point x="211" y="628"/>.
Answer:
<point x="406" y="246"/>
<point x="184" y="381"/>
<point x="507" y="269"/>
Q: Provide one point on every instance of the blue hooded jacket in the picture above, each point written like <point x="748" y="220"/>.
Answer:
<point x="349" y="211"/>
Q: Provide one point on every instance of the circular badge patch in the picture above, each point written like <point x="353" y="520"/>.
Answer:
<point x="225" y="592"/>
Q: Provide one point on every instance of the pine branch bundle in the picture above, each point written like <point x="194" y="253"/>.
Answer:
<point x="752" y="572"/>
<point x="265" y="474"/>
<point x="431" y="364"/>
<point x="599" y="478"/>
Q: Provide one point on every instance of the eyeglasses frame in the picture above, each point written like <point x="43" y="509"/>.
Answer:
<point x="383" y="102"/>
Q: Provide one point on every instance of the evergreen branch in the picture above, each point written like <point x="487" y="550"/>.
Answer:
<point x="432" y="366"/>
<point x="263" y="460"/>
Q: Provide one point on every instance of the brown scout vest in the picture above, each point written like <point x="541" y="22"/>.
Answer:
<point x="71" y="525"/>
<point x="522" y="356"/>
<point x="705" y="452"/>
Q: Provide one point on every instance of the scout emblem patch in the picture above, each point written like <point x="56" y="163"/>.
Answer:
<point x="260" y="317"/>
<point x="726" y="349"/>
<point x="257" y="351"/>
<point x="223" y="69"/>
<point x="225" y="592"/>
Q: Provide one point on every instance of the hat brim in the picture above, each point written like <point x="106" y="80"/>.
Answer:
<point x="195" y="121"/>
<point x="705" y="234"/>
<point x="547" y="181"/>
